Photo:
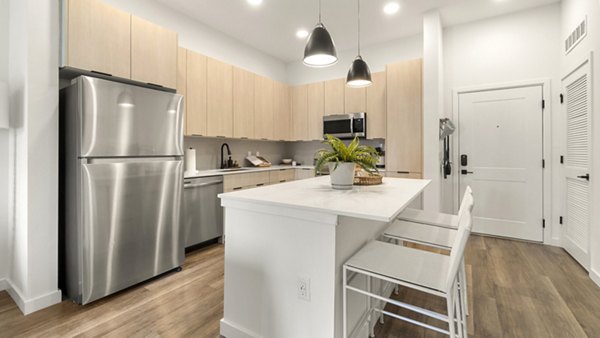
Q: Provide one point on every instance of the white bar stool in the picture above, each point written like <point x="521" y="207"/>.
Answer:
<point x="417" y="269"/>
<point x="434" y="235"/>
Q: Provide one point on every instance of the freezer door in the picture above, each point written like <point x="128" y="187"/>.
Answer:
<point x="123" y="120"/>
<point x="130" y="216"/>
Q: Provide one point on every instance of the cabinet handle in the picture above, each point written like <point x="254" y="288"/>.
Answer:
<point x="219" y="136"/>
<point x="197" y="135"/>
<point x="244" y="138"/>
<point x="237" y="188"/>
<point x="403" y="172"/>
<point x="260" y="184"/>
<point x="264" y="139"/>
<point x="282" y="181"/>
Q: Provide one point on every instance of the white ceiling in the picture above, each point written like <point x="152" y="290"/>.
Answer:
<point x="271" y="27"/>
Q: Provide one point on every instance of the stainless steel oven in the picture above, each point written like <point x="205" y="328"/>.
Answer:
<point x="346" y="126"/>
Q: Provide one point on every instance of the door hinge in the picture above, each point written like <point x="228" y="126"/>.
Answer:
<point x="562" y="98"/>
<point x="543" y="104"/>
<point x="543" y="223"/>
<point x="543" y="163"/>
<point x="560" y="220"/>
<point x="562" y="159"/>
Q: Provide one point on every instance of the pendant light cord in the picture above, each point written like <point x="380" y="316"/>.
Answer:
<point x="358" y="1"/>
<point x="319" y="11"/>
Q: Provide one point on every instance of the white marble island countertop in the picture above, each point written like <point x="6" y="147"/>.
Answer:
<point x="379" y="203"/>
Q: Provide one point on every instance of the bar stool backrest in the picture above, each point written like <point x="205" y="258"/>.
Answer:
<point x="458" y="248"/>
<point x="464" y="203"/>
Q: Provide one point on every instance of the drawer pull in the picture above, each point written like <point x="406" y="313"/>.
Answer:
<point x="282" y="181"/>
<point x="260" y="184"/>
<point x="237" y="188"/>
<point x="403" y="172"/>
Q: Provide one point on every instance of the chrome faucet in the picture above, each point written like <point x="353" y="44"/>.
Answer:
<point x="229" y="162"/>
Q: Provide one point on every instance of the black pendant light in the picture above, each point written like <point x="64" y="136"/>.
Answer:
<point x="359" y="74"/>
<point x="320" y="49"/>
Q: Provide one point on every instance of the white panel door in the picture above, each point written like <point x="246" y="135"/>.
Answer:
<point x="577" y="112"/>
<point x="500" y="134"/>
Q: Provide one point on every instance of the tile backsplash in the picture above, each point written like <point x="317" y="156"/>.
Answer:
<point x="208" y="150"/>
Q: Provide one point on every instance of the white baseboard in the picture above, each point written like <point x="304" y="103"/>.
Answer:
<point x="595" y="276"/>
<point x="229" y="330"/>
<point x="28" y="306"/>
<point x="3" y="284"/>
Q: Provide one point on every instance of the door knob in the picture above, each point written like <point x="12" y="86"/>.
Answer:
<point x="585" y="177"/>
<point x="465" y="172"/>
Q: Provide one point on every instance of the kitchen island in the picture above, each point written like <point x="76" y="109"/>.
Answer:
<point x="284" y="248"/>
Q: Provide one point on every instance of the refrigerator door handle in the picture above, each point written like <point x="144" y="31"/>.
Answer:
<point x="105" y="160"/>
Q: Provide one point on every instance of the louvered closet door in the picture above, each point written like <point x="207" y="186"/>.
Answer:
<point x="577" y="165"/>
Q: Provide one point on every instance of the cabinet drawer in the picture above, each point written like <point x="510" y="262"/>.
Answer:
<point x="282" y="175"/>
<point x="249" y="180"/>
<point x="304" y="173"/>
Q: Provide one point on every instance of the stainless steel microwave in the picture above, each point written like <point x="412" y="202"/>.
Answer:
<point x="346" y="126"/>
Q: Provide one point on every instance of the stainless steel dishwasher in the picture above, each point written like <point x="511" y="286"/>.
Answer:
<point x="203" y="214"/>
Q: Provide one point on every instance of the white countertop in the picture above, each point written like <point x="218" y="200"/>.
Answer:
<point x="379" y="202"/>
<point x="218" y="172"/>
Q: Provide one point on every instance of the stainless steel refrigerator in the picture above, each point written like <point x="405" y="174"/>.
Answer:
<point x="121" y="186"/>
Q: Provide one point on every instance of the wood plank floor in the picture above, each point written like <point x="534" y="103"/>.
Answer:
<point x="516" y="290"/>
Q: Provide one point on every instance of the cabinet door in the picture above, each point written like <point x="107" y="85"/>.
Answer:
<point x="355" y="100"/>
<point x="153" y="53"/>
<point x="281" y="114"/>
<point x="196" y="114"/>
<point x="404" y="143"/>
<point x="263" y="107"/>
<point x="316" y="107"/>
<point x="98" y="38"/>
<point x="220" y="98"/>
<point x="243" y="103"/>
<point x="334" y="96"/>
<point x="376" y="106"/>
<point x="299" y="113"/>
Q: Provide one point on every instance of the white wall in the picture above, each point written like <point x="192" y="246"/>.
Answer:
<point x="4" y="144"/>
<point x="376" y="56"/>
<point x="510" y="48"/>
<point x="201" y="38"/>
<point x="33" y="219"/>
<point x="433" y="98"/>
<point x="573" y="12"/>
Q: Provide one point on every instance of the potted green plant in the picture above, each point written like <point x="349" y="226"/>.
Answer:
<point x="342" y="159"/>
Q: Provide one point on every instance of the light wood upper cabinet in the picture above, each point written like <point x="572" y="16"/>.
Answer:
<point x="220" y="98"/>
<point x="182" y="81"/>
<point x="404" y="143"/>
<point x="243" y="103"/>
<point x="299" y="97"/>
<point x="316" y="108"/>
<point x="263" y="108"/>
<point x="98" y="38"/>
<point x="377" y="106"/>
<point x="282" y="117"/>
<point x="153" y="53"/>
<point x="196" y="107"/>
<point x="334" y="96"/>
<point x="355" y="100"/>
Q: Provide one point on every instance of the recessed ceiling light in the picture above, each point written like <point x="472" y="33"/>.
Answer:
<point x="302" y="33"/>
<point x="391" y="8"/>
<point x="255" y="2"/>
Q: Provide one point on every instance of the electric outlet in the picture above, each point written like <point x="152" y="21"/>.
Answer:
<point x="304" y="288"/>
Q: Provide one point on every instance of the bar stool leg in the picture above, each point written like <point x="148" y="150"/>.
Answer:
<point x="451" y="316"/>
<point x="463" y="287"/>
<point x="344" y="303"/>
<point x="369" y="308"/>
<point x="458" y="315"/>
<point x="381" y="289"/>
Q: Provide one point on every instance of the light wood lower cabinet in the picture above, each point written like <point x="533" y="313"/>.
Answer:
<point x="299" y="97"/>
<point x="245" y="181"/>
<point x="263" y="108"/>
<point x="304" y="173"/>
<point x="282" y="117"/>
<point x="196" y="113"/>
<point x="243" y="103"/>
<point x="219" y="82"/>
<point x="98" y="38"/>
<point x="281" y="176"/>
<point x="404" y="142"/>
<point x="316" y="110"/>
<point x="377" y="106"/>
<point x="153" y="53"/>
<point x="334" y="96"/>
